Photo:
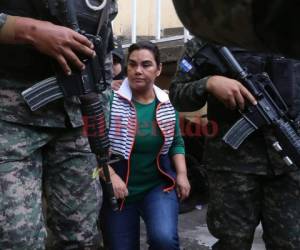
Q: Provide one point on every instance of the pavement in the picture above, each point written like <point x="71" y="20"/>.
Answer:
<point x="194" y="234"/>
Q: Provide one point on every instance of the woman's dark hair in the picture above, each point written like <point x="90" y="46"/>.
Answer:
<point x="148" y="46"/>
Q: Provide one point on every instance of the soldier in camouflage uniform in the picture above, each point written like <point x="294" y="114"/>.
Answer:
<point x="44" y="152"/>
<point x="253" y="24"/>
<point x="252" y="184"/>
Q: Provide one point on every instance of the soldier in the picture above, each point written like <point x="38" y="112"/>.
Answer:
<point x="45" y="150"/>
<point x="250" y="185"/>
<point x="252" y="24"/>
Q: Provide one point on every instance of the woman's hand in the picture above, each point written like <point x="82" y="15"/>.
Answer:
<point x="183" y="186"/>
<point x="119" y="186"/>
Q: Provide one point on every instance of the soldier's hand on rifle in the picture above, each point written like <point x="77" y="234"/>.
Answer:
<point x="229" y="91"/>
<point x="61" y="43"/>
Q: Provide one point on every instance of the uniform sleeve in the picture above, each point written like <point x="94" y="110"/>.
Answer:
<point x="3" y="18"/>
<point x="188" y="88"/>
<point x="178" y="143"/>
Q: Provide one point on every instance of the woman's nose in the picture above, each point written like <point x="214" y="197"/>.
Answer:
<point x="138" y="69"/>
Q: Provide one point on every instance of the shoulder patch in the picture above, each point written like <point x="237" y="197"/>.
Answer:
<point x="185" y="65"/>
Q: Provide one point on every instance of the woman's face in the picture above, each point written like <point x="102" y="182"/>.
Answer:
<point x="142" y="69"/>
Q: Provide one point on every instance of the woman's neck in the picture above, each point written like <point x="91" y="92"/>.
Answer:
<point x="144" y="97"/>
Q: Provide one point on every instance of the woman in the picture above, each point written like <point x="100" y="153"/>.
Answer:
<point x="145" y="130"/>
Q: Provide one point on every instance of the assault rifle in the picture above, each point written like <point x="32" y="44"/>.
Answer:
<point x="83" y="85"/>
<point x="271" y="110"/>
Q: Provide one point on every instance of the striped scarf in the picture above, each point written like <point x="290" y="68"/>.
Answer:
<point x="123" y="120"/>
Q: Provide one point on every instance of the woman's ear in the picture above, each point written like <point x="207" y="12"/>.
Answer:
<point x="159" y="70"/>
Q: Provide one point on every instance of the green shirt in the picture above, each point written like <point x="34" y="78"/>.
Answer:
<point x="144" y="173"/>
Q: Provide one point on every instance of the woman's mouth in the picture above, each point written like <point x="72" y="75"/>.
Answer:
<point x="138" y="80"/>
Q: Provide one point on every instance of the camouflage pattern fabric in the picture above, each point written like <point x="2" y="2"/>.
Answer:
<point x="62" y="158"/>
<point x="60" y="113"/>
<point x="220" y="20"/>
<point x="43" y="153"/>
<point x="188" y="93"/>
<point x="246" y="186"/>
<point x="238" y="202"/>
<point x="252" y="24"/>
<point x="57" y="114"/>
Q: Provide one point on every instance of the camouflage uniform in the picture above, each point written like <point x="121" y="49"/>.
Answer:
<point x="247" y="186"/>
<point x="256" y="25"/>
<point x="44" y="150"/>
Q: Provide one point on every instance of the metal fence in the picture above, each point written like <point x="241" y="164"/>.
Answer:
<point x="157" y="38"/>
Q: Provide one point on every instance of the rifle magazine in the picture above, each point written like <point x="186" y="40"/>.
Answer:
<point x="42" y="93"/>
<point x="239" y="132"/>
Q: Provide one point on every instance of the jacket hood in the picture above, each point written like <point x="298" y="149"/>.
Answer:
<point x="126" y="92"/>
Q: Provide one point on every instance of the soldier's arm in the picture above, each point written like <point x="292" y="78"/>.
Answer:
<point x="195" y="79"/>
<point x="188" y="94"/>
<point x="61" y="43"/>
<point x="188" y="90"/>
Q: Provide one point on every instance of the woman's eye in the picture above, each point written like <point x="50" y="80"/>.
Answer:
<point x="145" y="65"/>
<point x="132" y="64"/>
